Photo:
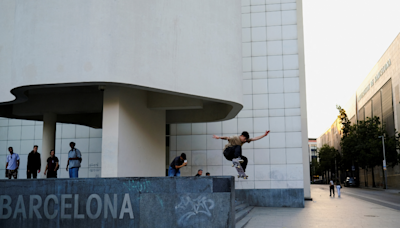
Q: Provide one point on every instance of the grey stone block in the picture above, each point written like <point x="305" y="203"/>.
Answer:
<point x="118" y="202"/>
<point x="203" y="210"/>
<point x="158" y="210"/>
<point x="194" y="185"/>
<point x="271" y="197"/>
<point x="221" y="185"/>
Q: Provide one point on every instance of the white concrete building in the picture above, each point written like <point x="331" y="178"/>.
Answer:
<point x="112" y="75"/>
<point x="273" y="98"/>
<point x="128" y="67"/>
<point x="312" y="149"/>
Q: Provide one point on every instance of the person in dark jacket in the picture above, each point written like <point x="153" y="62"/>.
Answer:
<point x="176" y="164"/>
<point x="34" y="163"/>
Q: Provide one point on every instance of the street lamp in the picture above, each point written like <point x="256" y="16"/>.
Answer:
<point x="384" y="159"/>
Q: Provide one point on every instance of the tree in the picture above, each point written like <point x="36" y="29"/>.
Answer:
<point x="328" y="155"/>
<point x="360" y="144"/>
<point x="368" y="144"/>
<point x="392" y="146"/>
<point x="315" y="168"/>
<point x="348" y="142"/>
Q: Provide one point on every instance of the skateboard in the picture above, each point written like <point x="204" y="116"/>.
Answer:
<point x="239" y="168"/>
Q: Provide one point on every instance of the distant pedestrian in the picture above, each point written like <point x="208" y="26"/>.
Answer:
<point x="74" y="161"/>
<point x="207" y="174"/>
<point x="52" y="165"/>
<point x="12" y="164"/>
<point x="199" y="173"/>
<point x="338" y="187"/>
<point x="331" y="188"/>
<point x="34" y="163"/>
<point x="176" y="164"/>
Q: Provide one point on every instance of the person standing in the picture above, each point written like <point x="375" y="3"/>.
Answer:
<point x="52" y="165"/>
<point x="74" y="161"/>
<point x="207" y="174"/>
<point x="176" y="164"/>
<point x="12" y="164"/>
<point x="34" y="163"/>
<point x="338" y="187"/>
<point x="331" y="188"/>
<point x="199" y="173"/>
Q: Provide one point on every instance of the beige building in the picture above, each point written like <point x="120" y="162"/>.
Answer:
<point x="331" y="136"/>
<point x="378" y="95"/>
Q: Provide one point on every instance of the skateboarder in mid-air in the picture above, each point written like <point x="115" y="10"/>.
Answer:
<point x="233" y="150"/>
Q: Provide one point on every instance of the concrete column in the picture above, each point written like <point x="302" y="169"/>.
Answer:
<point x="303" y="101"/>
<point x="133" y="141"/>
<point x="49" y="139"/>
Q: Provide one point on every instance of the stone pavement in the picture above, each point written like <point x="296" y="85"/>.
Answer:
<point x="324" y="211"/>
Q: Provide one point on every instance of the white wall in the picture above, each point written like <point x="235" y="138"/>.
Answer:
<point x="180" y="46"/>
<point x="22" y="135"/>
<point x="271" y="98"/>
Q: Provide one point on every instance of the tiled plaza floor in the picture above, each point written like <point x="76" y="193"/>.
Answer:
<point x="325" y="211"/>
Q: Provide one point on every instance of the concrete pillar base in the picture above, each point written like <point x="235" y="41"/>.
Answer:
<point x="133" y="135"/>
<point x="49" y="139"/>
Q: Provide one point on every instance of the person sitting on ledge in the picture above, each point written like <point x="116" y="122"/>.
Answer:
<point x="199" y="173"/>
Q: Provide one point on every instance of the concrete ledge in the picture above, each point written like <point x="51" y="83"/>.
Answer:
<point x="118" y="202"/>
<point x="271" y="197"/>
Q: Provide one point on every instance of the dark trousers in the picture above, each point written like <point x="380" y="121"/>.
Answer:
<point x="331" y="189"/>
<point x="52" y="174"/>
<point x="31" y="173"/>
<point x="238" y="153"/>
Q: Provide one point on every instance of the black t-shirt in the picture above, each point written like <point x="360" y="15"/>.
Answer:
<point x="34" y="162"/>
<point x="176" y="162"/>
<point x="198" y="175"/>
<point x="52" y="162"/>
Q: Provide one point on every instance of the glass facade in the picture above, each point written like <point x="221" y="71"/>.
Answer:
<point x="382" y="107"/>
<point x="22" y="135"/>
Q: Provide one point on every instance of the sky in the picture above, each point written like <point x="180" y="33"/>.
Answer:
<point x="343" y="40"/>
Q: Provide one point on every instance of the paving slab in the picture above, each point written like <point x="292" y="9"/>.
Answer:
<point x="326" y="211"/>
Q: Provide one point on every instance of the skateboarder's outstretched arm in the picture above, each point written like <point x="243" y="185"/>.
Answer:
<point x="259" y="137"/>
<point x="220" y="137"/>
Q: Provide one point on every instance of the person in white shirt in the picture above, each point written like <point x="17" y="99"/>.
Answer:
<point x="12" y="164"/>
<point x="74" y="161"/>
<point x="338" y="187"/>
<point x="331" y="188"/>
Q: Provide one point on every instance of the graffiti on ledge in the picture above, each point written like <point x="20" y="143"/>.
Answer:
<point x="200" y="205"/>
